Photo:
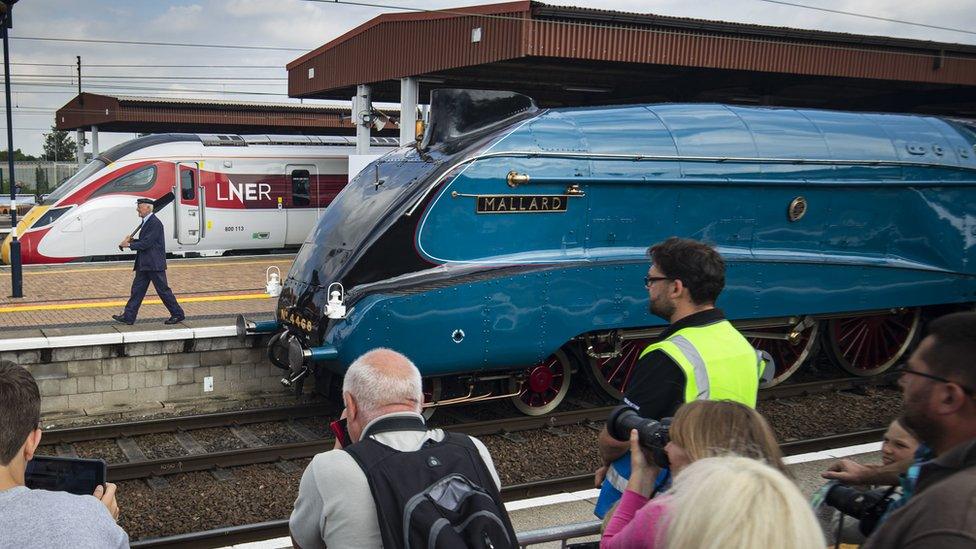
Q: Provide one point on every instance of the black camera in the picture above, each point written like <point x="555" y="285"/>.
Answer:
<point x="866" y="506"/>
<point x="652" y="434"/>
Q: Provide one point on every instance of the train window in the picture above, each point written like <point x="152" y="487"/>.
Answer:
<point x="300" y="180"/>
<point x="137" y="181"/>
<point x="187" y="190"/>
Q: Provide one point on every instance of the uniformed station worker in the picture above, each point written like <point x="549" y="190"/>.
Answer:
<point x="700" y="356"/>
<point x="150" y="266"/>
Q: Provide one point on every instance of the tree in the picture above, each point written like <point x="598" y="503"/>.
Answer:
<point x="40" y="180"/>
<point x="18" y="156"/>
<point x="59" y="146"/>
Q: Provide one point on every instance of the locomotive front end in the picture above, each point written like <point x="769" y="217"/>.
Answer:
<point x="315" y="300"/>
<point x="363" y="251"/>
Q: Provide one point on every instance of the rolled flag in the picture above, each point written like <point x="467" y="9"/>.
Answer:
<point x="157" y="205"/>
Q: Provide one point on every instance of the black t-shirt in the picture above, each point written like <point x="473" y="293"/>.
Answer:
<point x="658" y="387"/>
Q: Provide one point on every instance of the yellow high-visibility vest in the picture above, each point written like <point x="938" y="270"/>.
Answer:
<point x="719" y="364"/>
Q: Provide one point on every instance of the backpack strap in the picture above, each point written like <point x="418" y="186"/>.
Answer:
<point x="486" y="481"/>
<point x="368" y="452"/>
<point x="395" y="423"/>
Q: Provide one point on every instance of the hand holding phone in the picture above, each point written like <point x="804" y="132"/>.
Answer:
<point x="340" y="429"/>
<point x="106" y="494"/>
<point x="61" y="474"/>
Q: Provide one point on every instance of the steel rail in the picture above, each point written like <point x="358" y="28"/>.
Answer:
<point x="184" y="423"/>
<point x="298" y="450"/>
<point x="261" y="415"/>
<point x="307" y="449"/>
<point x="787" y="390"/>
<point x="794" y="447"/>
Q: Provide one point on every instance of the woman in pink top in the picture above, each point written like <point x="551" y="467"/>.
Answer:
<point x="700" y="429"/>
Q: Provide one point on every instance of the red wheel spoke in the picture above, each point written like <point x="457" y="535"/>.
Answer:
<point x="861" y="333"/>
<point x="543" y="385"/>
<point x="871" y="344"/>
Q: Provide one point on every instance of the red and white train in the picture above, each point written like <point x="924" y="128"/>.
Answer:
<point x="231" y="193"/>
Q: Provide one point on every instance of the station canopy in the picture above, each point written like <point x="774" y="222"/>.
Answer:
<point x="118" y="113"/>
<point x="579" y="56"/>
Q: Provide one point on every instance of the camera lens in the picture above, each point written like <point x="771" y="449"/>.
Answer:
<point x="866" y="506"/>
<point x="652" y="434"/>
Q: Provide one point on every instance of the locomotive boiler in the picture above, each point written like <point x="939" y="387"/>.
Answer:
<point x="505" y="252"/>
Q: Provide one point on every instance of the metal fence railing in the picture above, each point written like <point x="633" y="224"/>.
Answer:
<point x="563" y="533"/>
<point x="37" y="177"/>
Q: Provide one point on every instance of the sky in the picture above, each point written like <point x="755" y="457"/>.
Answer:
<point x="298" y="26"/>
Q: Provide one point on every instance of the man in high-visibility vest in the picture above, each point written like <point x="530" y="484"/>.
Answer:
<point x="700" y="356"/>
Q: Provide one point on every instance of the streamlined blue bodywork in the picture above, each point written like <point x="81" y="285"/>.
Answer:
<point x="890" y="221"/>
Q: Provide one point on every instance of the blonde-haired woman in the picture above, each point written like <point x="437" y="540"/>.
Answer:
<point x="700" y="429"/>
<point x="737" y="502"/>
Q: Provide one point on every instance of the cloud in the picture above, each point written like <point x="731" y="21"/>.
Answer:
<point x="308" y="25"/>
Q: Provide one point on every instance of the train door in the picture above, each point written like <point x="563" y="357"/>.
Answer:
<point x="189" y="211"/>
<point x="305" y="204"/>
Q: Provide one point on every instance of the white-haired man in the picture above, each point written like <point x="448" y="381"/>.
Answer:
<point x="383" y="396"/>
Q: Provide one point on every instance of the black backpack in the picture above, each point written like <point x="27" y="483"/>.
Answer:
<point x="440" y="496"/>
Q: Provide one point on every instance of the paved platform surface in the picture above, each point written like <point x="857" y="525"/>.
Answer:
<point x="88" y="294"/>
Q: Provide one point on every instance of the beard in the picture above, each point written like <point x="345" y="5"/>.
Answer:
<point x="662" y="308"/>
<point x="915" y="416"/>
<point x="927" y="429"/>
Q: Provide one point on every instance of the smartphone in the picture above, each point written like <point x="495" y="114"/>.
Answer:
<point x="63" y="474"/>
<point x="341" y="431"/>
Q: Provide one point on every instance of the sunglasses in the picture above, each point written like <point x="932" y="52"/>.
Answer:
<point x="648" y="280"/>
<point x="906" y="370"/>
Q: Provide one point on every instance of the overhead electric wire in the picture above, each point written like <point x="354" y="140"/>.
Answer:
<point x="457" y="11"/>
<point x="149" y="66"/>
<point x="117" y="87"/>
<point x="693" y="33"/>
<point x="145" y="43"/>
<point x="125" y="77"/>
<point x="867" y="16"/>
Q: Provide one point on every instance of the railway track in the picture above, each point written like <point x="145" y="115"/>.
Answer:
<point x="256" y="451"/>
<point x="140" y="469"/>
<point x="787" y="390"/>
<point x="279" y="528"/>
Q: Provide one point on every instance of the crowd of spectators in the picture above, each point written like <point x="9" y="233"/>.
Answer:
<point x="703" y="430"/>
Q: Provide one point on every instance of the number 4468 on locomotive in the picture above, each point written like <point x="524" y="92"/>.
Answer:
<point x="505" y="252"/>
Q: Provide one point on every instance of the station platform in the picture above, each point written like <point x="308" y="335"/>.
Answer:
<point x="87" y="364"/>
<point x="88" y="294"/>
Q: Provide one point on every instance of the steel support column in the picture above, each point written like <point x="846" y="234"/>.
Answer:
<point x="362" y="108"/>
<point x="409" y="92"/>
<point x="80" y="149"/>
<point x="94" y="141"/>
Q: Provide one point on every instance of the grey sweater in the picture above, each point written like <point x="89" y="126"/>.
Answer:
<point x="44" y="520"/>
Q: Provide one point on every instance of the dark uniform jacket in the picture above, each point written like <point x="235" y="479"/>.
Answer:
<point x="150" y="247"/>
<point x="657" y="389"/>
<point x="942" y="512"/>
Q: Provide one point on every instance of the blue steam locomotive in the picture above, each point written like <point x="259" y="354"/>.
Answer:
<point x="505" y="252"/>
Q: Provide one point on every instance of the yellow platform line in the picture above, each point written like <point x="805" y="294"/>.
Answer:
<point x="100" y="304"/>
<point x="171" y="266"/>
